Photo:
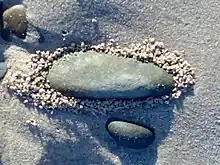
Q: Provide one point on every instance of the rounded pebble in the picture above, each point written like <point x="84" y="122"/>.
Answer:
<point x="15" y="19"/>
<point x="129" y="134"/>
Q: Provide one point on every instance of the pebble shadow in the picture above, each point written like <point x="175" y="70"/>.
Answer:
<point x="95" y="143"/>
<point x="85" y="29"/>
<point x="67" y="151"/>
<point x="38" y="38"/>
<point x="159" y="118"/>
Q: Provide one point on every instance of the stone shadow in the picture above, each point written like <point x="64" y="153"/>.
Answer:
<point x="10" y="3"/>
<point x="39" y="38"/>
<point x="93" y="142"/>
<point x="85" y="29"/>
<point x="159" y="118"/>
<point x="77" y="148"/>
<point x="179" y="102"/>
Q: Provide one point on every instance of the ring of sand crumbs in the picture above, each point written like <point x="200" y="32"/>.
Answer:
<point x="36" y="90"/>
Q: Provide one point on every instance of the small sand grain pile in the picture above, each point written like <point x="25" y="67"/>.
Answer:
<point x="36" y="90"/>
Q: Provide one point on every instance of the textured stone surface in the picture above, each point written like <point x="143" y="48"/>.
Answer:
<point x="3" y="69"/>
<point x="95" y="75"/>
<point x="129" y="134"/>
<point x="15" y="20"/>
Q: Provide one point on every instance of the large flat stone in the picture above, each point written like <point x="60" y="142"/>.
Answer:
<point x="95" y="75"/>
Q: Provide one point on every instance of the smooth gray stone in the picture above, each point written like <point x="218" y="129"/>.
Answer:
<point x="101" y="76"/>
<point x="3" y="69"/>
<point x="129" y="134"/>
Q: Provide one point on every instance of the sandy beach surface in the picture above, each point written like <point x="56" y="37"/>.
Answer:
<point x="187" y="131"/>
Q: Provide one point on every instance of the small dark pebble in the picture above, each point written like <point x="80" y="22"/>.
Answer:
<point x="130" y="134"/>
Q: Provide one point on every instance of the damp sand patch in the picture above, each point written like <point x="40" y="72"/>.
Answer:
<point x="35" y="89"/>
